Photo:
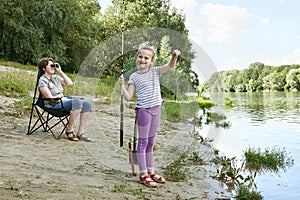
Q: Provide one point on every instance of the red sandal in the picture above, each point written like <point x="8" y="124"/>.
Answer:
<point x="146" y="180"/>
<point x="157" y="178"/>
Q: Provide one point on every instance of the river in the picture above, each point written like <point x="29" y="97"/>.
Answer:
<point x="265" y="120"/>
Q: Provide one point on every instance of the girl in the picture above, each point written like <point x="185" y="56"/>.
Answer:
<point x="145" y="82"/>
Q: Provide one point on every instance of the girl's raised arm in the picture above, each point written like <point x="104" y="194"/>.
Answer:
<point x="171" y="63"/>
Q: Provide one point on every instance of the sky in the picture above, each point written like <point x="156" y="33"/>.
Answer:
<point x="236" y="33"/>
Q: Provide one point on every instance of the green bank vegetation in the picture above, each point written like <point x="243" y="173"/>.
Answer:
<point x="258" y="77"/>
<point x="240" y="175"/>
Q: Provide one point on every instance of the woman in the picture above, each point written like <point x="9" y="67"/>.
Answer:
<point x="50" y="86"/>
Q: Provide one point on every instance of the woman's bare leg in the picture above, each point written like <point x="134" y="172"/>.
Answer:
<point x="83" y="120"/>
<point x="73" y="116"/>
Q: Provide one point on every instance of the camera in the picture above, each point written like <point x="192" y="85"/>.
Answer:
<point x="54" y="65"/>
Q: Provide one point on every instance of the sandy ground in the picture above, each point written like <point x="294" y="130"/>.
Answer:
<point x="38" y="166"/>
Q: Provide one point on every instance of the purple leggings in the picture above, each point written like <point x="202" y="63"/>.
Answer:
<point x="148" y="122"/>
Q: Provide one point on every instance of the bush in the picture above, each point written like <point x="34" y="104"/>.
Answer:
<point x="244" y="193"/>
<point x="15" y="84"/>
<point x="271" y="160"/>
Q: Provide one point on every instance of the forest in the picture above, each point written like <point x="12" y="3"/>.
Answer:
<point x="80" y="35"/>
<point x="258" y="77"/>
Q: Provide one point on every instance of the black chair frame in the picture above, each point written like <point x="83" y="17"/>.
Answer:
<point x="46" y="115"/>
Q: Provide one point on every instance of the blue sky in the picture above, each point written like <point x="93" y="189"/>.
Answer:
<point x="236" y="33"/>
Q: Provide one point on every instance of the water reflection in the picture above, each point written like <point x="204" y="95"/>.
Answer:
<point x="261" y="106"/>
<point x="263" y="120"/>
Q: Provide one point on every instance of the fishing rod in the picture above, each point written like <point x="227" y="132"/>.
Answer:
<point x="122" y="73"/>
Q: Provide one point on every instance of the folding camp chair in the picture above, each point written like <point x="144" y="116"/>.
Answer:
<point x="48" y="119"/>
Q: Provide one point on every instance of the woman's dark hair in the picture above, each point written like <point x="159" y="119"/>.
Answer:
<point x="43" y="63"/>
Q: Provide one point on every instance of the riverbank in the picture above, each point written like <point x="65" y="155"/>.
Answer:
<point x="39" y="167"/>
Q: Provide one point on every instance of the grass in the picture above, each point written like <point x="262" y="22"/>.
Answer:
<point x="14" y="84"/>
<point x="127" y="188"/>
<point x="11" y="186"/>
<point x="17" y="84"/>
<point x="17" y="65"/>
<point x="182" y="110"/>
<point x="244" y="193"/>
<point x="179" y="169"/>
<point x="269" y="160"/>
<point x="242" y="177"/>
<point x="228" y="102"/>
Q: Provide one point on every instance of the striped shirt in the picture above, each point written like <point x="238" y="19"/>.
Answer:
<point x="147" y="88"/>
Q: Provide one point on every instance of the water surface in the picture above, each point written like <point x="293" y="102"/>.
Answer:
<point x="264" y="120"/>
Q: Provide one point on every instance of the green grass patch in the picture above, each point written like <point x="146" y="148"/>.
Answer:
<point x="179" y="169"/>
<point x="182" y="110"/>
<point x="269" y="160"/>
<point x="245" y="193"/>
<point x="242" y="176"/>
<point x="16" y="84"/>
<point x="18" y="65"/>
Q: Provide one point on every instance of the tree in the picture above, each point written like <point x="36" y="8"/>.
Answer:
<point x="153" y="22"/>
<point x="257" y="78"/>
<point x="140" y="14"/>
<point x="63" y="29"/>
<point x="293" y="80"/>
<point x="277" y="81"/>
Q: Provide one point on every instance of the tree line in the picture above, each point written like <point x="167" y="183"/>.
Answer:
<point x="72" y="31"/>
<point x="258" y="77"/>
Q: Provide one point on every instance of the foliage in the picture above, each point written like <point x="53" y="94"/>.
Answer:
<point x="242" y="177"/>
<point x="257" y="77"/>
<point x="17" y="65"/>
<point x="182" y="110"/>
<point x="63" y="29"/>
<point x="22" y="107"/>
<point x="231" y="174"/>
<point x="228" y="102"/>
<point x="14" y="84"/>
<point x="175" y="171"/>
<point x="153" y="22"/>
<point x="244" y="193"/>
<point x="124" y="187"/>
<point x="268" y="160"/>
<point x="19" y="84"/>
<point x="179" y="170"/>
<point x="70" y="30"/>
<point x="141" y="14"/>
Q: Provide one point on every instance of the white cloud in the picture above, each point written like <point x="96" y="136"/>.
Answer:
<point x="224" y="22"/>
<point x="292" y="58"/>
<point x="213" y="22"/>
<point x="265" y="20"/>
<point x="231" y="62"/>
<point x="287" y="59"/>
<point x="282" y="2"/>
